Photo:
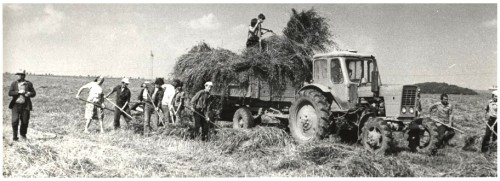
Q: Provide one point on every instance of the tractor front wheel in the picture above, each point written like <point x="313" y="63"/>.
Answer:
<point x="376" y="136"/>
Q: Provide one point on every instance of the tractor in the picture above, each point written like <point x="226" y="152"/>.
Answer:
<point x="346" y="98"/>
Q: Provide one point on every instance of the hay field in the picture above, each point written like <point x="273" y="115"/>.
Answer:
<point x="57" y="146"/>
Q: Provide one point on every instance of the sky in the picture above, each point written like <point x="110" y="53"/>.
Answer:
<point x="413" y="43"/>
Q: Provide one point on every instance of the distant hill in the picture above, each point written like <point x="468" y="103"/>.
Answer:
<point x="439" y="88"/>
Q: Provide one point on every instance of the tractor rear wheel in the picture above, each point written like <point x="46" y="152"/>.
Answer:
<point x="309" y="116"/>
<point x="242" y="119"/>
<point x="376" y="136"/>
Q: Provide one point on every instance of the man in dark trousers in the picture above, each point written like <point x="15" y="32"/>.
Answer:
<point x="21" y="91"/>
<point x="444" y="112"/>
<point x="491" y="116"/>
<point x="200" y="103"/>
<point x="255" y="31"/>
<point x="151" y="96"/>
<point x="122" y="101"/>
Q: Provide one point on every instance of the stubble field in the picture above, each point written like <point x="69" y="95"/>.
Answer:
<point x="57" y="146"/>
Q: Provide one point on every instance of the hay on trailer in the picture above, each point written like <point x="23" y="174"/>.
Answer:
<point x="285" y="60"/>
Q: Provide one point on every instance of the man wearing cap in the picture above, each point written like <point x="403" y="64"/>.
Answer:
<point x="491" y="116"/>
<point x="152" y="97"/>
<point x="122" y="100"/>
<point x="21" y="91"/>
<point x="200" y="103"/>
<point x="94" y="109"/>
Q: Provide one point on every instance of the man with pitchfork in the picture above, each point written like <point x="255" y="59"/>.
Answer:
<point x="491" y="127"/>
<point x="122" y="103"/>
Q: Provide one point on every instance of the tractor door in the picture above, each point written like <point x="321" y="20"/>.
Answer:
<point x="340" y="89"/>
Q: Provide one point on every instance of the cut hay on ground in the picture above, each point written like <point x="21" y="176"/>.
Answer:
<point x="231" y="140"/>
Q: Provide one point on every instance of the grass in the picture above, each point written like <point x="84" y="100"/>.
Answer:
<point x="57" y="146"/>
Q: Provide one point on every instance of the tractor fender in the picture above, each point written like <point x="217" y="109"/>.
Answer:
<point x="334" y="106"/>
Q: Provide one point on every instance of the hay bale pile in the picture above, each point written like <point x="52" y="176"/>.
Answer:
<point x="232" y="140"/>
<point x="286" y="60"/>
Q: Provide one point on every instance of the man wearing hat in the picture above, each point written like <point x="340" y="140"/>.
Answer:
<point x="200" y="103"/>
<point x="152" y="97"/>
<point x="491" y="116"/>
<point x="94" y="109"/>
<point x="21" y="91"/>
<point x="122" y="100"/>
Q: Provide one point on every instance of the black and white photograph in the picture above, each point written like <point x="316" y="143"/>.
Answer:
<point x="249" y="89"/>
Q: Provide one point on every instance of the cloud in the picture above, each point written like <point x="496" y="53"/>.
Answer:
<point x="15" y="7"/>
<point x="490" y="24"/>
<point x="50" y="22"/>
<point x="208" y="21"/>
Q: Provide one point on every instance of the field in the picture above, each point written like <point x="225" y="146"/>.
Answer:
<point x="57" y="146"/>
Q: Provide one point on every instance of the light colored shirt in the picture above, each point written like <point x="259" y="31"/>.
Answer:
<point x="168" y="95"/>
<point x="491" y="109"/>
<point x="95" y="91"/>
<point x="145" y="94"/>
<point x="21" y="86"/>
<point x="443" y="111"/>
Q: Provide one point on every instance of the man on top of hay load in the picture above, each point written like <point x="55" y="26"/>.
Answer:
<point x="122" y="100"/>
<point x="21" y="91"/>
<point x="200" y="103"/>
<point x="94" y="109"/>
<point x="491" y="127"/>
<point x="443" y="111"/>
<point x="255" y="31"/>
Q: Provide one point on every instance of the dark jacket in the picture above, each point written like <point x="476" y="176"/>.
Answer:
<point x="201" y="100"/>
<point x="121" y="97"/>
<point x="159" y="95"/>
<point x="13" y="91"/>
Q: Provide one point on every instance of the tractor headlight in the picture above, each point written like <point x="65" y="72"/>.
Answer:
<point x="411" y="110"/>
<point x="403" y="110"/>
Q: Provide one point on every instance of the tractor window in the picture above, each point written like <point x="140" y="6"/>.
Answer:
<point x="336" y="71"/>
<point x="368" y="68"/>
<point x="320" y="69"/>
<point x="355" y="69"/>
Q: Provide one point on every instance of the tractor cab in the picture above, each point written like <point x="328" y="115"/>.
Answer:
<point x="346" y="73"/>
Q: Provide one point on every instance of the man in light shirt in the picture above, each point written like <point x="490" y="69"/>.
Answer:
<point x="94" y="109"/>
<point x="166" y="102"/>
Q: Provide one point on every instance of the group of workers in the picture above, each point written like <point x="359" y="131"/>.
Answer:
<point x="163" y="100"/>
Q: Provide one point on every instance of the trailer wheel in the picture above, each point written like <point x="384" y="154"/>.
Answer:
<point x="376" y="135"/>
<point x="242" y="118"/>
<point x="309" y="116"/>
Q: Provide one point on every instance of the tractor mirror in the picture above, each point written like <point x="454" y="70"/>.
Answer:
<point x="375" y="87"/>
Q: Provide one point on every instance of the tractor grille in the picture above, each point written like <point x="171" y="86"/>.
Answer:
<point x="409" y="96"/>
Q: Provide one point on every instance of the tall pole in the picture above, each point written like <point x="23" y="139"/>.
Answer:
<point x="152" y="65"/>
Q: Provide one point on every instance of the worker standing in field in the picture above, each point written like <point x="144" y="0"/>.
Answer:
<point x="200" y="103"/>
<point x="444" y="112"/>
<point x="166" y="102"/>
<point x="491" y="116"/>
<point x="139" y="107"/>
<point x="178" y="101"/>
<point x="152" y="96"/>
<point x="21" y="92"/>
<point x="122" y="100"/>
<point x="94" y="109"/>
<point x="255" y="31"/>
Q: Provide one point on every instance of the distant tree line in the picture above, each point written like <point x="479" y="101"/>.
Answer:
<point x="50" y="74"/>
<point x="439" y="88"/>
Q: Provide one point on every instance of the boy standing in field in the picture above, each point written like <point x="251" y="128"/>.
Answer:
<point x="94" y="109"/>
<point x="491" y="116"/>
<point x="21" y="91"/>
<point x="443" y="111"/>
<point x="178" y="101"/>
<point x="200" y="103"/>
<point x="152" y="97"/>
<point x="166" y="102"/>
<point x="122" y="100"/>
